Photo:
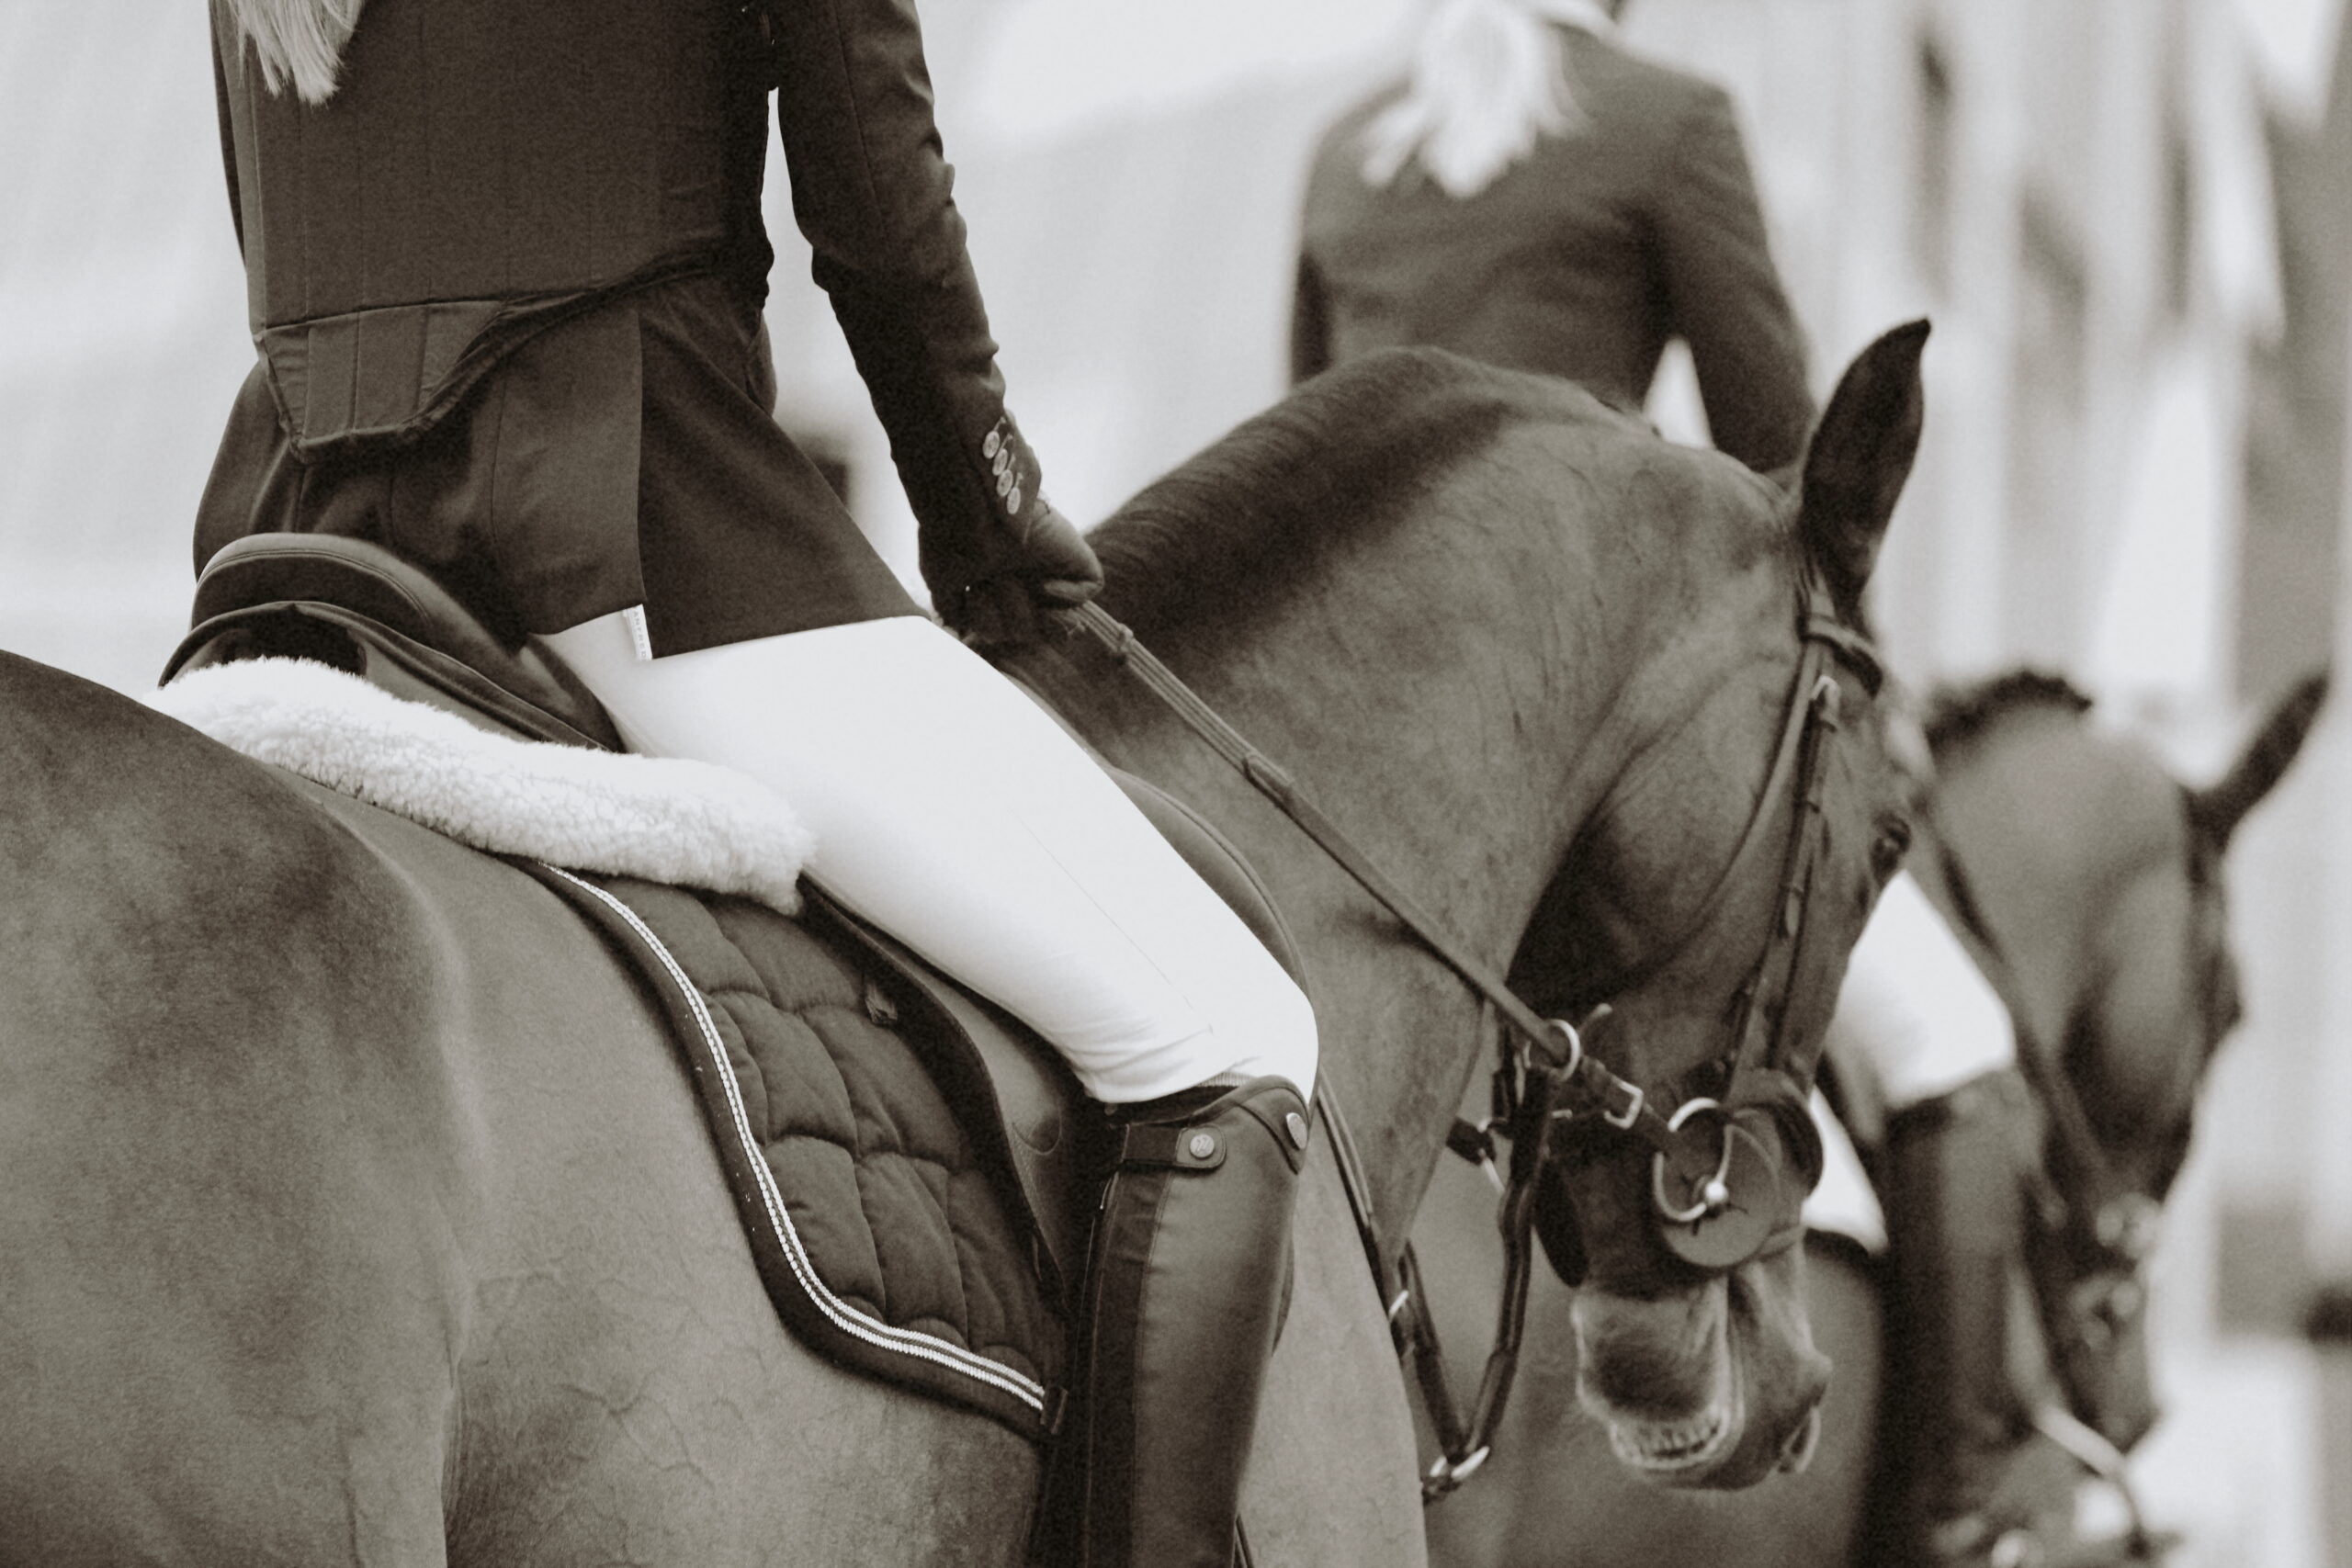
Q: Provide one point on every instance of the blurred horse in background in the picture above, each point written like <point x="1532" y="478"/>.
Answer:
<point x="2089" y="883"/>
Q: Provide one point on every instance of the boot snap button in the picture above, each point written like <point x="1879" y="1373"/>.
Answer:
<point x="1295" y="1125"/>
<point x="1200" y="1145"/>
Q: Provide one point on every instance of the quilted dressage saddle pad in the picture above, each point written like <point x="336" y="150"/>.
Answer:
<point x="886" y="1234"/>
<point x="903" y="1156"/>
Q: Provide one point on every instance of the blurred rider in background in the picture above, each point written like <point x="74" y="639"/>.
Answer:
<point x="1537" y="195"/>
<point x="505" y="267"/>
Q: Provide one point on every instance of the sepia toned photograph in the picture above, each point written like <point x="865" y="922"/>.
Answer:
<point x="1102" y="784"/>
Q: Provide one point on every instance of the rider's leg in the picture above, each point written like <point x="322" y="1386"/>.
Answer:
<point x="953" y="812"/>
<point x="1955" y="1225"/>
<point x="1918" y="1019"/>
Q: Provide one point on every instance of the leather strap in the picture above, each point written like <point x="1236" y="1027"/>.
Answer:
<point x="1591" y="1083"/>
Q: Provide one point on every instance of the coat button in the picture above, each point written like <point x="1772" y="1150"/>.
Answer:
<point x="1296" y="1124"/>
<point x="1013" y="502"/>
<point x="1200" y="1145"/>
<point x="989" y="447"/>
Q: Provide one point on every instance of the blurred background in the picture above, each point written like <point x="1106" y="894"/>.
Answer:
<point x="2131" y="221"/>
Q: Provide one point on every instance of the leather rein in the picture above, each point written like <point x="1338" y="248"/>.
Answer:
<point x="1719" y="1196"/>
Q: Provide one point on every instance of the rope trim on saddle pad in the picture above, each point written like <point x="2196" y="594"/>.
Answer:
<point x="811" y="1308"/>
<point x="666" y="819"/>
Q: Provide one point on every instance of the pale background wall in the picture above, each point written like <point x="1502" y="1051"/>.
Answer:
<point x="2090" y="198"/>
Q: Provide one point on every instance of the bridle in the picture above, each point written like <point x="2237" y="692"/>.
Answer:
<point x="1716" y="1195"/>
<point x="1720" y="1196"/>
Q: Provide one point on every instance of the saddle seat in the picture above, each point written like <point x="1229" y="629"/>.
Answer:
<point x="359" y="608"/>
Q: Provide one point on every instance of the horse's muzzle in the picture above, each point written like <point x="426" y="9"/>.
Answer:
<point x="1715" y="1388"/>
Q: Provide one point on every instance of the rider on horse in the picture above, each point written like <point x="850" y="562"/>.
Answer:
<point x="1567" y="215"/>
<point x="505" y="266"/>
<point x="1538" y="196"/>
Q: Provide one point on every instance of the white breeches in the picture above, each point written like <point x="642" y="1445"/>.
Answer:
<point x="954" y="813"/>
<point x="1915" y="1020"/>
<point x="1916" y="1013"/>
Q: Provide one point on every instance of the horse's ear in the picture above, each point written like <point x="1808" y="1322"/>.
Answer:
<point x="2217" y="810"/>
<point x="1859" y="456"/>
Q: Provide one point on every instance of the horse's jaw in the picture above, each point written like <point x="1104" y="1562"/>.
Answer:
<point x="1716" y="1387"/>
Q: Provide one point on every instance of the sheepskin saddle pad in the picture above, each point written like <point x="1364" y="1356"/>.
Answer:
<point x="875" y="1148"/>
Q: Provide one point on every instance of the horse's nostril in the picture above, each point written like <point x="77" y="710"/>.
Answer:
<point x="1797" y="1452"/>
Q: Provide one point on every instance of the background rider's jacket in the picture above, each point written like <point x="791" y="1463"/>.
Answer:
<point x="506" y="286"/>
<point x="1581" y="260"/>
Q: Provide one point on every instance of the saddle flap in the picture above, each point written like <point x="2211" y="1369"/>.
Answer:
<point x="1016" y="1092"/>
<point x="1216" y="862"/>
<point x="1024" y="1099"/>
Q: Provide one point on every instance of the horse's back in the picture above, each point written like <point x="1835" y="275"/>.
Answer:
<point x="215" y="1119"/>
<point x="358" y="1210"/>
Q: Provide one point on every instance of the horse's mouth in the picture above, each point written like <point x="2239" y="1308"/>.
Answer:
<point x="1681" y="1451"/>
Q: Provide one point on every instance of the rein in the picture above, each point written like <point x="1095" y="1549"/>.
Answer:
<point x="1719" y="1219"/>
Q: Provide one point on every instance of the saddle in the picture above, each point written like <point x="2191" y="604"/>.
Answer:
<point x="746" y="987"/>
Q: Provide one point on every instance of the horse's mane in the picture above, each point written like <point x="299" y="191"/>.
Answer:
<point x="1244" y="522"/>
<point x="1956" y="714"/>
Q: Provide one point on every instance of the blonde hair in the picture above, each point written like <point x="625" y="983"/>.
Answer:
<point x="1487" y="82"/>
<point x="297" y="40"/>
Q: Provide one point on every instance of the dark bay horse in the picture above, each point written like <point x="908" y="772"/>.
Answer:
<point x="2098" y="875"/>
<point x="355" y="1208"/>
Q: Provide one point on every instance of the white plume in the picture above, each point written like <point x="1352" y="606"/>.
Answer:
<point x="299" y="41"/>
<point x="1487" y="81"/>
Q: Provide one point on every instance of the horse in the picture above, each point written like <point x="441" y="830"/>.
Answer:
<point x="356" y="1205"/>
<point x="2097" y="878"/>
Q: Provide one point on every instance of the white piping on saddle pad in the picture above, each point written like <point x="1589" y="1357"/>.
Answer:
<point x="844" y="1316"/>
<point x="665" y="819"/>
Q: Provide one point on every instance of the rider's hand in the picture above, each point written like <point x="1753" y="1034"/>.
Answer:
<point x="997" y="581"/>
<point x="1011" y="608"/>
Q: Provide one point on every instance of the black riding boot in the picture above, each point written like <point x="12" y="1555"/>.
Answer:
<point x="1978" y="1485"/>
<point x="1190" y="1261"/>
<point x="1955" y="1223"/>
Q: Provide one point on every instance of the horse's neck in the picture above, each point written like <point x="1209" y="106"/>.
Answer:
<point x="2050" y="826"/>
<point x="1463" y="780"/>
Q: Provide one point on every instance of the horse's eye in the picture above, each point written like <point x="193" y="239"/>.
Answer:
<point x="1893" y="843"/>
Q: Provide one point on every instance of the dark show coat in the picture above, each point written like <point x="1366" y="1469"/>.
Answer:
<point x="506" y="286"/>
<point x="1582" y="260"/>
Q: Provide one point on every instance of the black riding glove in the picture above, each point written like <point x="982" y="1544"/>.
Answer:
<point x="999" y="580"/>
